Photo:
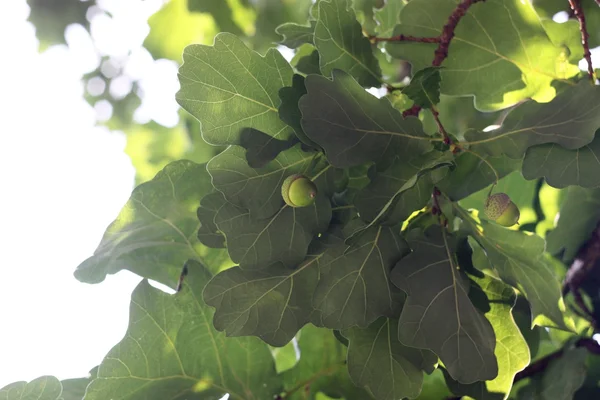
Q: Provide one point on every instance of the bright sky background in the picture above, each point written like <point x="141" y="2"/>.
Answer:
<point x="64" y="180"/>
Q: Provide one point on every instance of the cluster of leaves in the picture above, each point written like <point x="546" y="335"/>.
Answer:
<point x="378" y="291"/>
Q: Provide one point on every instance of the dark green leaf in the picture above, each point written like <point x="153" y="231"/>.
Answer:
<point x="561" y="379"/>
<point x="171" y="351"/>
<point x="295" y="35"/>
<point x="209" y="234"/>
<point x="322" y="362"/>
<point x="156" y="231"/>
<point x="341" y="44"/>
<point x="500" y="52"/>
<point x="309" y="64"/>
<point x="354" y="127"/>
<point x="272" y="304"/>
<point x="517" y="258"/>
<point x="562" y="167"/>
<point x="354" y="287"/>
<point x="289" y="111"/>
<point x="378" y="361"/>
<point x="284" y="237"/>
<point x="438" y="314"/>
<point x="579" y="215"/>
<point x="74" y="389"/>
<point x="473" y="174"/>
<point x="229" y="87"/>
<point x="395" y="193"/>
<point x="256" y="189"/>
<point x="511" y="350"/>
<point x="43" y="388"/>
<point x="424" y="87"/>
<point x="571" y="120"/>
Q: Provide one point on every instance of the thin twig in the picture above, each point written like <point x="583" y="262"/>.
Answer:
<point x="441" y="129"/>
<point x="578" y="11"/>
<point x="404" y="38"/>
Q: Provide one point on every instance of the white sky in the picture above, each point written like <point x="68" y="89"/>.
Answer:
<point x="63" y="181"/>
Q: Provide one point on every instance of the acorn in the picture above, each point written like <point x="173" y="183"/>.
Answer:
<point x="298" y="191"/>
<point x="501" y="209"/>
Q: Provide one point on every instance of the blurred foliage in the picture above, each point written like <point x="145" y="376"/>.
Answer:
<point x="51" y="17"/>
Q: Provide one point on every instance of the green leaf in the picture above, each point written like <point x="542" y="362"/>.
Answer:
<point x="155" y="232"/>
<point x="309" y="64"/>
<point x="74" y="389"/>
<point x="503" y="39"/>
<point x="424" y="87"/>
<point x="284" y="237"/>
<point x="295" y="35"/>
<point x="395" y="193"/>
<point x="341" y="44"/>
<point x="285" y="357"/>
<point x="354" y="287"/>
<point x="229" y="87"/>
<point x="579" y="215"/>
<point x="354" y="127"/>
<point x="378" y="361"/>
<point x="512" y="352"/>
<point x="473" y="174"/>
<point x="322" y="363"/>
<point x="256" y="189"/>
<point x="561" y="379"/>
<point x="273" y="303"/>
<point x="171" y="351"/>
<point x="438" y="314"/>
<point x="562" y="167"/>
<point x="209" y="234"/>
<point x="43" y="388"/>
<point x="388" y="17"/>
<point x="289" y="111"/>
<point x="571" y="120"/>
<point x="517" y="258"/>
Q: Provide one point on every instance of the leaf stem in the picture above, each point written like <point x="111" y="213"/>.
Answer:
<point x="321" y="172"/>
<point x="578" y="11"/>
<point x="441" y="129"/>
<point x="343" y="207"/>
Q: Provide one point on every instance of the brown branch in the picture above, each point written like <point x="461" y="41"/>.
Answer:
<point x="578" y="11"/>
<point x="443" y="41"/>
<point x="441" y="129"/>
<point x="405" y="38"/>
<point x="540" y="365"/>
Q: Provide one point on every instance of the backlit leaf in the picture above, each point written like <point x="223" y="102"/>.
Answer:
<point x="341" y="44"/>
<point x="273" y="303"/>
<point x="378" y="361"/>
<point x="155" y="232"/>
<point x="503" y="39"/>
<point x="562" y="167"/>
<point x="517" y="258"/>
<point x="438" y="314"/>
<point x="354" y="287"/>
<point x="354" y="127"/>
<point x="512" y="352"/>
<point x="295" y="35"/>
<point x="256" y="189"/>
<point x="229" y="87"/>
<point x="570" y="120"/>
<point x="43" y="388"/>
<point x="171" y="351"/>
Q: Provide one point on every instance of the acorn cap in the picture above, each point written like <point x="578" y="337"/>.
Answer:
<point x="496" y="204"/>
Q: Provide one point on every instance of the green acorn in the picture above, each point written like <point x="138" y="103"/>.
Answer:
<point x="501" y="209"/>
<point x="298" y="191"/>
